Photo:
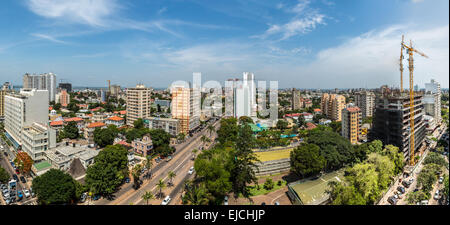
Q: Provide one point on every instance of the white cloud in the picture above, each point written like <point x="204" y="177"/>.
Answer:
<point x="304" y="21"/>
<point x="372" y="59"/>
<point x="49" y="38"/>
<point x="93" y="13"/>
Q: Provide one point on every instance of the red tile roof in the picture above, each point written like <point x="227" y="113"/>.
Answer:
<point x="96" y="124"/>
<point x="353" y="109"/>
<point x="115" y="118"/>
<point x="76" y="119"/>
<point x="57" y="123"/>
<point x="310" y="126"/>
<point x="317" y="110"/>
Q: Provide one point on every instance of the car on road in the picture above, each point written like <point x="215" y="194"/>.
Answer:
<point x="424" y="202"/>
<point x="191" y="171"/>
<point x="5" y="153"/>
<point x="401" y="189"/>
<point x="15" y="177"/>
<point x="392" y="200"/>
<point x="32" y="193"/>
<point x="169" y="158"/>
<point x="127" y="180"/>
<point x="22" y="178"/>
<point x="83" y="197"/>
<point x="406" y="183"/>
<point x="276" y="203"/>
<point x="225" y="200"/>
<point x="436" y="195"/>
<point x="166" y="200"/>
<point x="26" y="193"/>
<point x="441" y="180"/>
<point x="19" y="194"/>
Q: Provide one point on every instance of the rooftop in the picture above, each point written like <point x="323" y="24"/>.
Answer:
<point x="96" y="124"/>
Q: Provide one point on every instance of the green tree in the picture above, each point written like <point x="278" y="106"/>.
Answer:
<point x="415" y="197"/>
<point x="395" y="156"/>
<point x="171" y="175"/>
<point x="211" y="129"/>
<point x="427" y="177"/>
<point x="138" y="124"/>
<point x="72" y="106"/>
<point x="282" y="124"/>
<point x="4" y="175"/>
<point x="181" y="136"/>
<point x="435" y="158"/>
<point x="108" y="171"/>
<point x="136" y="173"/>
<point x="71" y="130"/>
<point x="244" y="162"/>
<point x="336" y="126"/>
<point x="104" y="137"/>
<point x="269" y="184"/>
<point x="341" y="194"/>
<point x="384" y="167"/>
<point x="245" y="120"/>
<point x="307" y="161"/>
<point x="195" y="194"/>
<point x="364" y="177"/>
<point x="54" y="187"/>
<point x="159" y="137"/>
<point x="161" y="185"/>
<point x="228" y="132"/>
<point x="147" y="196"/>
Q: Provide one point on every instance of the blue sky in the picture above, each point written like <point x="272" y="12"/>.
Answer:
<point x="299" y="43"/>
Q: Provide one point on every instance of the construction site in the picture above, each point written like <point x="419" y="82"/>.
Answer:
<point x="399" y="114"/>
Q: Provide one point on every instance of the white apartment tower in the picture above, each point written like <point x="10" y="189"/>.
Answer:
<point x="245" y="97"/>
<point x="22" y="110"/>
<point x="138" y="103"/>
<point x="366" y="102"/>
<point x="46" y="81"/>
<point x="432" y="100"/>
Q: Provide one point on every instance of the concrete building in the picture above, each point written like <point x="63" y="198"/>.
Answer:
<point x="245" y="97"/>
<point x="171" y="126"/>
<point x="332" y="106"/>
<point x="46" y="81"/>
<point x="143" y="146"/>
<point x="23" y="109"/>
<point x="62" y="98"/>
<point x="391" y="122"/>
<point x="138" y="103"/>
<point x="351" y="124"/>
<point x="66" y="86"/>
<point x="62" y="156"/>
<point x="37" y="139"/>
<point x="296" y="100"/>
<point x="366" y="102"/>
<point x="89" y="131"/>
<point x="432" y="100"/>
<point x="2" y="104"/>
<point x="115" y="120"/>
<point x="115" y="90"/>
<point x="186" y="107"/>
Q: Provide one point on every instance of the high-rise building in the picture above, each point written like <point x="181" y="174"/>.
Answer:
<point x="22" y="110"/>
<point x="432" y="100"/>
<point x="245" y="97"/>
<point x="63" y="98"/>
<point x="366" y="102"/>
<point x="46" y="81"/>
<point x="186" y="107"/>
<point x="391" y="122"/>
<point x="332" y="106"/>
<point x="138" y="103"/>
<point x="115" y="90"/>
<point x="66" y="86"/>
<point x="7" y="86"/>
<point x="296" y="100"/>
<point x="351" y="124"/>
<point x="2" y="103"/>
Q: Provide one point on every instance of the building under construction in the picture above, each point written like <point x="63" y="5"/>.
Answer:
<point x="391" y="122"/>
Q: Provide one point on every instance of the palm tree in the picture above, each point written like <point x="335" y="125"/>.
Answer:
<point x="160" y="185"/>
<point x="204" y="139"/>
<point x="136" y="173"/>
<point x="211" y="129"/>
<point x="171" y="175"/>
<point x="147" y="196"/>
<point x="195" y="152"/>
<point x="149" y="164"/>
<point x="195" y="195"/>
<point x="181" y="136"/>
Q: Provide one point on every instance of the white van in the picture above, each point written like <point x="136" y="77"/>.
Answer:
<point x="166" y="200"/>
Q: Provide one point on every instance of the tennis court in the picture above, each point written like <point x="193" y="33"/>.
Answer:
<point x="312" y="191"/>
<point x="274" y="155"/>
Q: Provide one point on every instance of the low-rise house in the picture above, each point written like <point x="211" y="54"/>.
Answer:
<point x="115" y="120"/>
<point x="89" y="131"/>
<point x="79" y="121"/>
<point x="170" y="125"/>
<point x="142" y="146"/>
<point x="62" y="156"/>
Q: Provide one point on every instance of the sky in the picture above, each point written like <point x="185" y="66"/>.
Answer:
<point x="299" y="43"/>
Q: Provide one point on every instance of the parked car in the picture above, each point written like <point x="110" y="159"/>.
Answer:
<point x="406" y="184"/>
<point x="166" y="200"/>
<point x="441" y="180"/>
<point x="26" y="193"/>
<point x="436" y="195"/>
<point x="127" y="180"/>
<point x="32" y="193"/>
<point x="191" y="171"/>
<point x="225" y="200"/>
<point x="401" y="189"/>
<point x="169" y="158"/>
<point x="22" y="178"/>
<point x="83" y="197"/>
<point x="424" y="202"/>
<point x="19" y="194"/>
<point x="392" y="200"/>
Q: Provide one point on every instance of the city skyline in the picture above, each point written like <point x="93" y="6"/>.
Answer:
<point x="302" y="43"/>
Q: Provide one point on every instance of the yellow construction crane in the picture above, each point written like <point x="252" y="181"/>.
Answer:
<point x="410" y="51"/>
<point x="401" y="63"/>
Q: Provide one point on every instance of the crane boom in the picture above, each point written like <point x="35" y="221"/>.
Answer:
<point x="410" y="51"/>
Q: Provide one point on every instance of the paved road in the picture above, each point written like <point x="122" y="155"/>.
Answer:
<point x="4" y="162"/>
<point x="416" y="172"/>
<point x="180" y="164"/>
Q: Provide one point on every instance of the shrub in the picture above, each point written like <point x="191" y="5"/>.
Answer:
<point x="268" y="185"/>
